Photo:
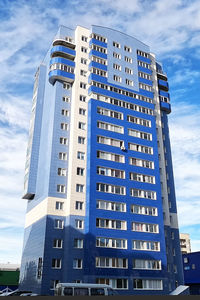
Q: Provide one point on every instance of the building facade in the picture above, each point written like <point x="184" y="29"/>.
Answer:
<point x="185" y="243"/>
<point x="99" y="178"/>
<point x="191" y="267"/>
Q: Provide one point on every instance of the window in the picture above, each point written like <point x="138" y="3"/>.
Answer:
<point x="128" y="59"/>
<point x="147" y="264"/>
<point x="139" y="121"/>
<point x="143" y="194"/>
<point x="142" y="177"/>
<point x="65" y="112"/>
<point x="144" y="210"/>
<point x="39" y="267"/>
<point x="117" y="45"/>
<point x="117" y="78"/>
<point x="185" y="260"/>
<point x="129" y="82"/>
<point x="111" y="262"/>
<point x="66" y="99"/>
<point x="83" y="61"/>
<point x="119" y="283"/>
<point x="82" y="98"/>
<point x="79" y="224"/>
<point x="99" y="60"/>
<point x="116" y="55"/>
<point x="80" y="171"/>
<point x="56" y="263"/>
<point x="143" y="64"/>
<point x="77" y="263"/>
<point x="109" y="188"/>
<point x="99" y="37"/>
<point x="140" y="134"/>
<point x="99" y="49"/>
<point x="61" y="188"/>
<point x="59" y="205"/>
<point x="117" y="67"/>
<point x="79" y="188"/>
<point x="148" y="77"/>
<point x="111" y="156"/>
<point x="66" y="86"/>
<point x="145" y="87"/>
<point x="83" y="85"/>
<point x="125" y="104"/>
<point x="79" y="205"/>
<point x="145" y="245"/>
<point x="58" y="224"/>
<point x="147" y="284"/>
<point x="81" y="125"/>
<point x="62" y="172"/>
<point x="111" y="172"/>
<point x="109" y="113"/>
<point x="78" y="243"/>
<point x="145" y="227"/>
<point x="128" y="71"/>
<point x="128" y="49"/>
<point x="84" y="38"/>
<point x="64" y="126"/>
<point x="110" y="127"/>
<point x="140" y="148"/>
<point x="63" y="141"/>
<point x="99" y="72"/>
<point x="141" y="163"/>
<point x="144" y="54"/>
<point x="83" y="73"/>
<point x="121" y="91"/>
<point x="81" y="155"/>
<point x="105" y="242"/>
<point x="53" y="284"/>
<point x="81" y="140"/>
<point x="83" y="49"/>
<point x="62" y="155"/>
<point x="57" y="243"/>
<point x="111" y="224"/>
<point x="82" y="111"/>
<point x="111" y="205"/>
<point x="109" y="141"/>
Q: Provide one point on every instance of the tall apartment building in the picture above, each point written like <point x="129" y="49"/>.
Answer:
<point x="185" y="243"/>
<point x="98" y="178"/>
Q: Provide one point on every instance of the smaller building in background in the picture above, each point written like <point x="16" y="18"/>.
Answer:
<point x="185" y="243"/>
<point x="191" y="268"/>
<point x="9" y="276"/>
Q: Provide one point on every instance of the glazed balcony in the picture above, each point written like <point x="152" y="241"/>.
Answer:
<point x="163" y="85"/>
<point x="65" y="43"/>
<point x="62" y="51"/>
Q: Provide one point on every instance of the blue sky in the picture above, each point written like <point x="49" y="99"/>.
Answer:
<point x="171" y="29"/>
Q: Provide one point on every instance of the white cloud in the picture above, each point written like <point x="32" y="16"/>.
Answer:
<point x="184" y="133"/>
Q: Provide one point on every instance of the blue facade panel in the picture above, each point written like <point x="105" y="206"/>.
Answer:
<point x="164" y="94"/>
<point x="63" y="49"/>
<point x="97" y="53"/>
<point x="97" y="42"/>
<point x="94" y="64"/>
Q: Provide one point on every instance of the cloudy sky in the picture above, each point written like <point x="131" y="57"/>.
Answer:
<point x="172" y="30"/>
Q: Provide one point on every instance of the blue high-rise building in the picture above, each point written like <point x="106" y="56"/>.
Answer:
<point x="99" y="177"/>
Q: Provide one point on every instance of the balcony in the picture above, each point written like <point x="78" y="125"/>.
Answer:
<point x="165" y="106"/>
<point x="64" y="52"/>
<point x="61" y="75"/>
<point x="162" y="84"/>
<point x="66" y="43"/>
